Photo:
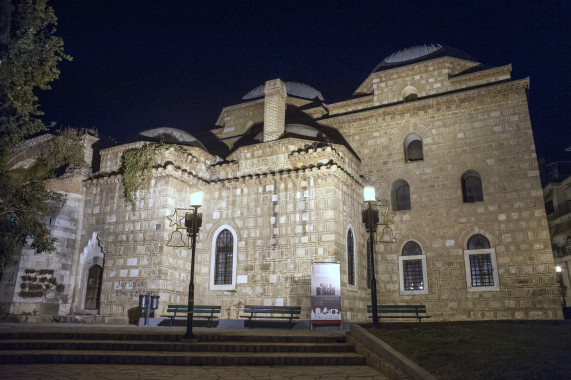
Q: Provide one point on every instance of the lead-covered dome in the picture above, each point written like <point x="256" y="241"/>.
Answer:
<point x="171" y="136"/>
<point x="420" y="53"/>
<point x="296" y="89"/>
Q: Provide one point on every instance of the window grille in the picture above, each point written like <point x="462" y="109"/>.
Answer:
<point x="224" y="258"/>
<point x="478" y="242"/>
<point x="350" y="258"/>
<point x="481" y="270"/>
<point x="411" y="248"/>
<point x="413" y="277"/>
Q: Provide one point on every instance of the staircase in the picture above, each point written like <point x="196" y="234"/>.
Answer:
<point x="166" y="347"/>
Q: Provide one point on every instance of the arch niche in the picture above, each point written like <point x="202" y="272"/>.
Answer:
<point x="91" y="275"/>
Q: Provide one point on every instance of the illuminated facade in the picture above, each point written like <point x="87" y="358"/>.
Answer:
<point x="446" y="141"/>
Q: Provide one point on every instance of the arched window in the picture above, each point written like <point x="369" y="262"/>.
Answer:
<point x="350" y="257"/>
<point x="224" y="258"/>
<point x="412" y="269"/>
<point x="472" y="187"/>
<point x="413" y="148"/>
<point x="223" y="264"/>
<point x="400" y="195"/>
<point x="481" y="265"/>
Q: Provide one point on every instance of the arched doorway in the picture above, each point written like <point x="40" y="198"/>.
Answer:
<point x="93" y="288"/>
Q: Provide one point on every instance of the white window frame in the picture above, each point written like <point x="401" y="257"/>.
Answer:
<point x="350" y="227"/>
<point x="231" y="286"/>
<point x="403" y="291"/>
<point x="495" y="275"/>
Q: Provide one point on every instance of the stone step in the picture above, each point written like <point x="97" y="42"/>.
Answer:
<point x="180" y="358"/>
<point x="168" y="336"/>
<point x="134" y="345"/>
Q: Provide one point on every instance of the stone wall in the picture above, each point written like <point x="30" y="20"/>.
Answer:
<point x="486" y="130"/>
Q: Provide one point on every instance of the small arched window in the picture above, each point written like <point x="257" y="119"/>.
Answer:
<point x="350" y="257"/>
<point x="409" y="93"/>
<point x="472" y="187"/>
<point x="413" y="148"/>
<point x="400" y="195"/>
<point x="412" y="267"/>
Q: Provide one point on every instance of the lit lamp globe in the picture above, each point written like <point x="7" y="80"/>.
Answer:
<point x="558" y="269"/>
<point x="369" y="193"/>
<point x="196" y="198"/>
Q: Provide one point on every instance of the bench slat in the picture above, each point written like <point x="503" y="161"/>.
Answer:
<point x="199" y="311"/>
<point x="271" y="312"/>
<point x="386" y="311"/>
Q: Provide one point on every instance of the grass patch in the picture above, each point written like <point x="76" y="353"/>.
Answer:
<point x="484" y="350"/>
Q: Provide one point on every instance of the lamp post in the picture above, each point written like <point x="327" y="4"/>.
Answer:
<point x="370" y="219"/>
<point x="562" y="287"/>
<point x="192" y="222"/>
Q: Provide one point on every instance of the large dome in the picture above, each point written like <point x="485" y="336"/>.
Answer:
<point x="420" y="53"/>
<point x="297" y="89"/>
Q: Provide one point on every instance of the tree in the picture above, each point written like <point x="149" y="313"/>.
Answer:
<point x="29" y="57"/>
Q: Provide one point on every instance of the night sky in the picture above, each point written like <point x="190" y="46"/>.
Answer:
<point x="171" y="63"/>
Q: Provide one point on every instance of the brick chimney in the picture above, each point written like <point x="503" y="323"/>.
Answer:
<point x="274" y="109"/>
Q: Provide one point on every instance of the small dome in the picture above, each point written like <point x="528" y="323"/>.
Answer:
<point x="297" y="89"/>
<point x="420" y="53"/>
<point x="172" y="136"/>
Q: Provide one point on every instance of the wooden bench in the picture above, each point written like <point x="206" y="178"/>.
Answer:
<point x="201" y="312"/>
<point x="400" y="311"/>
<point x="271" y="312"/>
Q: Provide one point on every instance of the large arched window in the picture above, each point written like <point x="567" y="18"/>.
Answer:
<point x="412" y="269"/>
<point x="413" y="148"/>
<point x="481" y="265"/>
<point x="472" y="187"/>
<point x="223" y="265"/>
<point x="350" y="256"/>
<point x="400" y="195"/>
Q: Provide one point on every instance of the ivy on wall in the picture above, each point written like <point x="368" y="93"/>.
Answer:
<point x="137" y="167"/>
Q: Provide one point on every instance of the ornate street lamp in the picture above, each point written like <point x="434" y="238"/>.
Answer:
<point x="562" y="287"/>
<point x="371" y="221"/>
<point x="192" y="223"/>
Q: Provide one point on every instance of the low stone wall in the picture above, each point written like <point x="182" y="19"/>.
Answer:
<point x="383" y="357"/>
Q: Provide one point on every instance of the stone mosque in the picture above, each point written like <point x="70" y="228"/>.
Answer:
<point x="445" y="141"/>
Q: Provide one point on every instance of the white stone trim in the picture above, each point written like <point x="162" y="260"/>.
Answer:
<point x="492" y="253"/>
<point x="231" y="286"/>
<point x="403" y="291"/>
<point x="351" y="286"/>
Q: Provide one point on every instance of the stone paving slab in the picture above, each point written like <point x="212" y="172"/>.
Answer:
<point x="127" y="372"/>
